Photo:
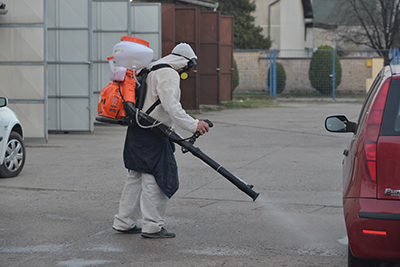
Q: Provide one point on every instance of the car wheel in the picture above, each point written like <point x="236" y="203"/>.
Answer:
<point x="14" y="159"/>
<point x="359" y="262"/>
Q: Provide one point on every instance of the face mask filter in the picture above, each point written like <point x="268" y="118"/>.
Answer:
<point x="184" y="74"/>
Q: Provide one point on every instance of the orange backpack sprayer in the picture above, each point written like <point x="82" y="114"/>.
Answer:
<point x="130" y="54"/>
<point x="110" y="101"/>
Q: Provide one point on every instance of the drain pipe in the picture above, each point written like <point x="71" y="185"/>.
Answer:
<point x="269" y="17"/>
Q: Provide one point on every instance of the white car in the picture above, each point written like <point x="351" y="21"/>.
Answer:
<point x="12" y="147"/>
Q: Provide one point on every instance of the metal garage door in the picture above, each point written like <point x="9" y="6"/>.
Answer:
<point x="81" y="35"/>
<point x="69" y="36"/>
<point x="22" y="63"/>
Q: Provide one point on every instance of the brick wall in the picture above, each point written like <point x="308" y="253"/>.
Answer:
<point x="252" y="71"/>
<point x="253" y="66"/>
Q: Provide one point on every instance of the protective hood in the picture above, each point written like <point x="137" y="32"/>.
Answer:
<point x="176" y="62"/>
<point x="183" y="49"/>
<point x="179" y="57"/>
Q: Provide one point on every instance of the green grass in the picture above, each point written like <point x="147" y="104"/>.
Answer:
<point x="250" y="101"/>
<point x="242" y="101"/>
<point x="245" y="101"/>
<point x="319" y="95"/>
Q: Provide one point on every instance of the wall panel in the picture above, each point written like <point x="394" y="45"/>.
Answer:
<point x="22" y="63"/>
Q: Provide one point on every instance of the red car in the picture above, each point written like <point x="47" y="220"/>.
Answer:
<point x="371" y="173"/>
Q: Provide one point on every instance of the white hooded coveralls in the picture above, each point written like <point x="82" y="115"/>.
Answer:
<point x="141" y="196"/>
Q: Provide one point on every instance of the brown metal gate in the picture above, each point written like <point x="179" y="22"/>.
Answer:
<point x="216" y="49"/>
<point x="211" y="37"/>
<point x="226" y="58"/>
<point x="209" y="51"/>
<point x="168" y="28"/>
<point x="187" y="31"/>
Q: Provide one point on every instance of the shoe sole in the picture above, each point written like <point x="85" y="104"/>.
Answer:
<point x="157" y="236"/>
<point x="128" y="231"/>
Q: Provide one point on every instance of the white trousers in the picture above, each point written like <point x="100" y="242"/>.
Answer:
<point x="143" y="199"/>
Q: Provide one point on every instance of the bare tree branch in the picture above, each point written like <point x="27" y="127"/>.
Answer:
<point x="371" y="23"/>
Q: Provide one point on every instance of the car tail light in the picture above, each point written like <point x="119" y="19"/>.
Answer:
<point x="372" y="129"/>
<point x="374" y="232"/>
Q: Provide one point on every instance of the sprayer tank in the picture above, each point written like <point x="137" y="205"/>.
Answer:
<point x="132" y="53"/>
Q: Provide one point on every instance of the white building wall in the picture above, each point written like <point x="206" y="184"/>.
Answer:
<point x="292" y="25"/>
<point x="286" y="25"/>
<point x="309" y="43"/>
<point x="275" y="27"/>
<point x="261" y="15"/>
<point x="261" y="19"/>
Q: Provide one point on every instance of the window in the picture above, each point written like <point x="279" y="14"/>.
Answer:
<point x="367" y="103"/>
<point x="391" y="117"/>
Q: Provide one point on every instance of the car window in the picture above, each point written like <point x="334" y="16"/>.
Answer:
<point x="367" y="103"/>
<point x="391" y="117"/>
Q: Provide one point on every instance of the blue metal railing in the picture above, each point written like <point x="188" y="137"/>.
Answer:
<point x="395" y="57"/>
<point x="272" y="83"/>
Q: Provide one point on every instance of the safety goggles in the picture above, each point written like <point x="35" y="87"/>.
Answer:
<point x="192" y="62"/>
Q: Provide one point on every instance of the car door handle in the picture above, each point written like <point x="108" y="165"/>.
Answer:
<point x="346" y="152"/>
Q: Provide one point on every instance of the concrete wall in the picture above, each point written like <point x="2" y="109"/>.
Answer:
<point x="253" y="66"/>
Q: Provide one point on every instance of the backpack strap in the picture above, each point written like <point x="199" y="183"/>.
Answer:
<point x="158" y="102"/>
<point x="155" y="104"/>
<point x="160" y="66"/>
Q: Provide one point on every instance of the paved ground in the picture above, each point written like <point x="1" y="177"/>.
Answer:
<point x="59" y="211"/>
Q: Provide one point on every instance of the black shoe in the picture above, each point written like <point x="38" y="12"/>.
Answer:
<point x="134" y="230"/>
<point x="162" y="234"/>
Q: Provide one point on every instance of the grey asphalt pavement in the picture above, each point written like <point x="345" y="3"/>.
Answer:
<point x="59" y="211"/>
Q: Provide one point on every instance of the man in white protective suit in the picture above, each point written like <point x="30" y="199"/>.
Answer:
<point x="152" y="170"/>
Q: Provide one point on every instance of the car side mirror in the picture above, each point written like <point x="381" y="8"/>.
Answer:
<point x="3" y="102"/>
<point x="339" y="124"/>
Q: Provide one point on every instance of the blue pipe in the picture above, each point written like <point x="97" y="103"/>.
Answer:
<point x="333" y="75"/>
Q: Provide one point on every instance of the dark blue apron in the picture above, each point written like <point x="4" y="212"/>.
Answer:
<point x="147" y="152"/>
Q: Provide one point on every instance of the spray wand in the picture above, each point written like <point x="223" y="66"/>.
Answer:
<point x="146" y="121"/>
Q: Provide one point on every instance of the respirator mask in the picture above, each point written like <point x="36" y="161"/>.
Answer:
<point x="184" y="73"/>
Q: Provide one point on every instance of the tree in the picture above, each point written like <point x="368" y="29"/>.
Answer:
<point x="235" y="76"/>
<point x="246" y="34"/>
<point x="280" y="78"/>
<point x="320" y="69"/>
<point x="377" y="23"/>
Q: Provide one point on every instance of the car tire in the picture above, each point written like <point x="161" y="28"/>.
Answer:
<point x="14" y="159"/>
<point x="360" y="262"/>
